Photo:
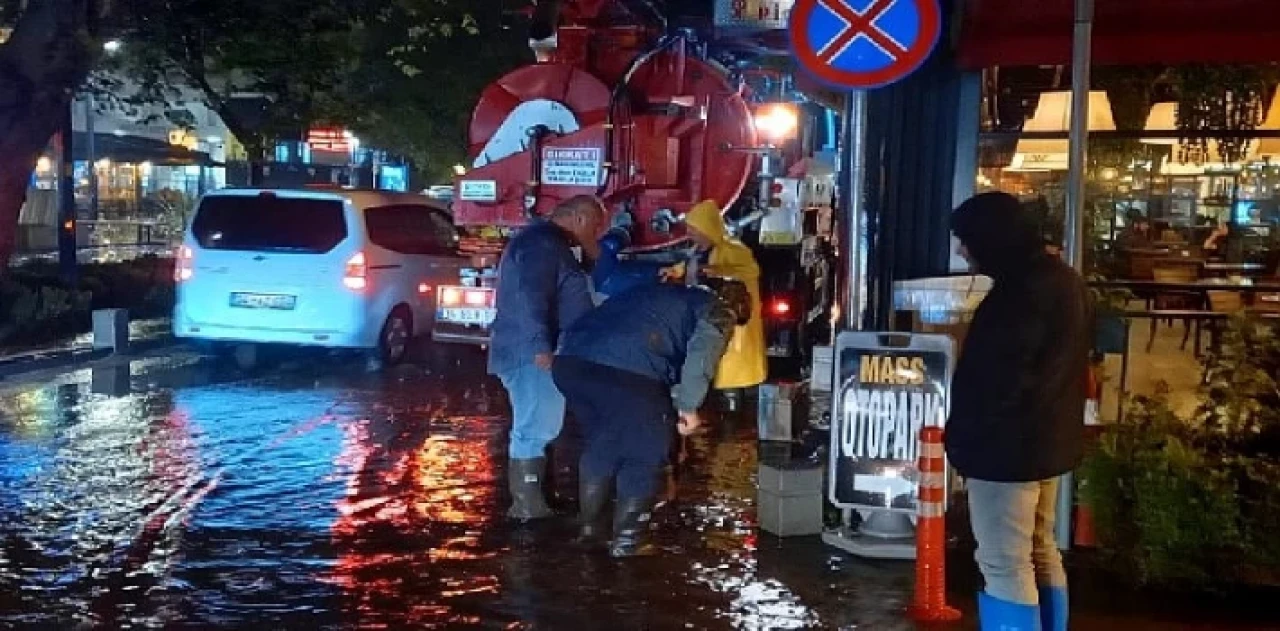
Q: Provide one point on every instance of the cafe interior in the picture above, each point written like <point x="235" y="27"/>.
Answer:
<point x="1181" y="216"/>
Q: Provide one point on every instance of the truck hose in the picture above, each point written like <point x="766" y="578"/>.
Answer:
<point x="619" y="90"/>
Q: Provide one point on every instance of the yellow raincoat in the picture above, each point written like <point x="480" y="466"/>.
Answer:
<point x="744" y="363"/>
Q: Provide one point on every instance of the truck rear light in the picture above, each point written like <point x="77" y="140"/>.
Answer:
<point x="424" y="288"/>
<point x="780" y="307"/>
<point x="183" y="264"/>
<point x="357" y="272"/>
<point x="468" y="297"/>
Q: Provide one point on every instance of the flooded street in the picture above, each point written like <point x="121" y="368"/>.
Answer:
<point x="174" y="493"/>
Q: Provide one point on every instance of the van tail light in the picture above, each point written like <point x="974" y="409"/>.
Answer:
<point x="357" y="272"/>
<point x="780" y="308"/>
<point x="183" y="264"/>
<point x="424" y="288"/>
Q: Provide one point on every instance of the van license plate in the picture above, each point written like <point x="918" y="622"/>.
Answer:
<point x="264" y="301"/>
<point x="482" y="317"/>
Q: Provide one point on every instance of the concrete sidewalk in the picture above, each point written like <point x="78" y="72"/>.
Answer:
<point x="145" y="336"/>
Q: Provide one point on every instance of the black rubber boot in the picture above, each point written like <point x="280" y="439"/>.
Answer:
<point x="592" y="497"/>
<point x="631" y="527"/>
<point x="527" y="498"/>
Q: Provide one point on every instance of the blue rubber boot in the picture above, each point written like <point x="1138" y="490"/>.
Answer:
<point x="1053" y="608"/>
<point x="1001" y="615"/>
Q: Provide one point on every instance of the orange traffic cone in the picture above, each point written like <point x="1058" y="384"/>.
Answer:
<point x="930" y="604"/>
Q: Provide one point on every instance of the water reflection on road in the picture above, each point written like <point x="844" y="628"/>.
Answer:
<point x="172" y="493"/>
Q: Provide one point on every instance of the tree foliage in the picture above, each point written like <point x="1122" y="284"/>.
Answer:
<point x="404" y="73"/>
<point x="413" y="94"/>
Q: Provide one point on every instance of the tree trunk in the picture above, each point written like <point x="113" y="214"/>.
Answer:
<point x="25" y="131"/>
<point x="255" y="152"/>
<point x="46" y="58"/>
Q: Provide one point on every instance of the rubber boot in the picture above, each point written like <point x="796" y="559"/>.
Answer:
<point x="630" y="527"/>
<point x="592" y="497"/>
<point x="1053" y="608"/>
<point x="524" y="476"/>
<point x="1001" y="615"/>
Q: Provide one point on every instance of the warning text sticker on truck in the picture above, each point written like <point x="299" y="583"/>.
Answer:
<point x="571" y="167"/>
<point x="478" y="190"/>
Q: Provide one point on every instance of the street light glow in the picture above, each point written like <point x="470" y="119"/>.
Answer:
<point x="777" y="121"/>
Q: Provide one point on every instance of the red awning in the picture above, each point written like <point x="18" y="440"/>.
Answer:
<point x="1125" y="32"/>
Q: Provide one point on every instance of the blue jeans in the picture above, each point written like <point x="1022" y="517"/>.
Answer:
<point x="1013" y="523"/>
<point x="538" y="410"/>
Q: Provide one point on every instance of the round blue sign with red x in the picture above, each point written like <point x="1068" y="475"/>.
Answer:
<point x="859" y="44"/>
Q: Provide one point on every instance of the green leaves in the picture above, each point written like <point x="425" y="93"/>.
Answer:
<point x="403" y="75"/>
<point x="1194" y="502"/>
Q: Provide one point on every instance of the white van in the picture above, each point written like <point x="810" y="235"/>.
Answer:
<point x="326" y="267"/>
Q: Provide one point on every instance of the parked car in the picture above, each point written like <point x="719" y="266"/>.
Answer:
<point x="336" y="268"/>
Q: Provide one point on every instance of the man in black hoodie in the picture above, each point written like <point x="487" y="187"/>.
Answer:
<point x="1017" y="410"/>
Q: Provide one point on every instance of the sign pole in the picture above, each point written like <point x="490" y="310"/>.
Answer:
<point x="883" y="392"/>
<point x="853" y="246"/>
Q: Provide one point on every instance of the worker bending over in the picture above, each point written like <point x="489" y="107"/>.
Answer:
<point x="628" y="370"/>
<point x="744" y="364"/>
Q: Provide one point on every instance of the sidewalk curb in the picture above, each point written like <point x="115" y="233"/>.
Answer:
<point x="15" y="365"/>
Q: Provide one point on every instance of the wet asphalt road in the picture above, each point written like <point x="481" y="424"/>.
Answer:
<point x="173" y="492"/>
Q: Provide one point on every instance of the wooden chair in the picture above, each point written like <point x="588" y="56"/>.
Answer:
<point x="1226" y="301"/>
<point x="1267" y="303"/>
<point x="1176" y="272"/>
<point x="1220" y="302"/>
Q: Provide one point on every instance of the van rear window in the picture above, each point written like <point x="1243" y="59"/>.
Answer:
<point x="269" y="224"/>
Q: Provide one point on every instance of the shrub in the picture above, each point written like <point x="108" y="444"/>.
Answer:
<point x="1194" y="502"/>
<point x="36" y="306"/>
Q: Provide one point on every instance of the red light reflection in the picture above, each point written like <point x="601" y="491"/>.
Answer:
<point x="429" y="494"/>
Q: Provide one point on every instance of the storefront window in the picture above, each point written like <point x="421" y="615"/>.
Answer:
<point x="1147" y="189"/>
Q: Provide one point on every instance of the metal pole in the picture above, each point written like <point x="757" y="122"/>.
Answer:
<point x="90" y="154"/>
<point x="66" y="201"/>
<point x="1079" y="153"/>
<point x="853" y="167"/>
<point x="1079" y="139"/>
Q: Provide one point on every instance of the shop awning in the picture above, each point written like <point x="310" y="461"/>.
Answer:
<point x="1126" y="32"/>
<point x="135" y="149"/>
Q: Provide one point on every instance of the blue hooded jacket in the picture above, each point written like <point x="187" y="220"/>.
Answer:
<point x="671" y="334"/>
<point x="542" y="289"/>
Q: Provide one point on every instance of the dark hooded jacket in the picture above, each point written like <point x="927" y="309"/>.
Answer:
<point x="1018" y="396"/>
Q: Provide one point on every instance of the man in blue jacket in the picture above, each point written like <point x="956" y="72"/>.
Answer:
<point x="542" y="289"/>
<point x="629" y="369"/>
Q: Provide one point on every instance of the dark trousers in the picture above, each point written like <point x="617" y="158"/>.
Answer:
<point x="627" y="423"/>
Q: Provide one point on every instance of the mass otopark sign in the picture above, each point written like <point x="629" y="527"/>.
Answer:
<point x="862" y="44"/>
<point x="890" y="386"/>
